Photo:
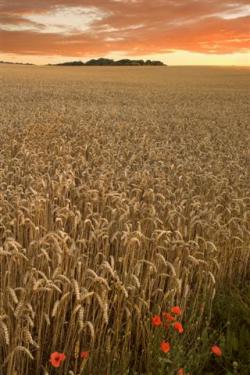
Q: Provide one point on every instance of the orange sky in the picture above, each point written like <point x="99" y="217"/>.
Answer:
<point x="180" y="32"/>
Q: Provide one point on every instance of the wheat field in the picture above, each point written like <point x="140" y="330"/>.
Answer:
<point x="123" y="192"/>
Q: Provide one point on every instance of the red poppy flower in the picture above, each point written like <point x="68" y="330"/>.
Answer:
<point x="176" y="310"/>
<point x="165" y="346"/>
<point x="181" y="371"/>
<point x="216" y="350"/>
<point x="178" y="327"/>
<point x="156" y="320"/>
<point x="168" y="316"/>
<point x="56" y="358"/>
<point x="84" y="355"/>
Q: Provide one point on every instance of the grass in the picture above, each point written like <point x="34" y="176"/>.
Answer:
<point x="123" y="192"/>
<point x="231" y="318"/>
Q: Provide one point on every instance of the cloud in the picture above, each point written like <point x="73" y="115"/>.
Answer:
<point x="136" y="27"/>
<point x="67" y="20"/>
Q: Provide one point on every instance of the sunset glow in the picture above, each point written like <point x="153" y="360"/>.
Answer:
<point x="179" y="32"/>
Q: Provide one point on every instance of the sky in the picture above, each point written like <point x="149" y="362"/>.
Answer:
<point x="177" y="32"/>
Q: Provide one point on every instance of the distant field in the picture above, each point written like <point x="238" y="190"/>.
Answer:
<point x="123" y="192"/>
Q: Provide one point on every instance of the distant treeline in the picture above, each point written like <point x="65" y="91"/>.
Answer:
<point x="15" y="63"/>
<point x="110" y="62"/>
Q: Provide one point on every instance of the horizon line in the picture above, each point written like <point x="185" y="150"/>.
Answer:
<point x="2" y="62"/>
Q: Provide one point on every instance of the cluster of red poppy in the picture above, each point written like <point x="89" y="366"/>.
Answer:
<point x="176" y="310"/>
<point x="57" y="358"/>
<point x="170" y="320"/>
